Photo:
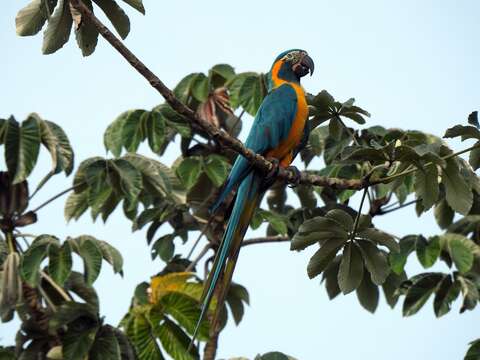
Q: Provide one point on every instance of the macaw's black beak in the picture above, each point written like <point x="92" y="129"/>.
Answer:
<point x="304" y="66"/>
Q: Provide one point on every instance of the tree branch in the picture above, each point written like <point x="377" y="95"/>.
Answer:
<point x="257" y="160"/>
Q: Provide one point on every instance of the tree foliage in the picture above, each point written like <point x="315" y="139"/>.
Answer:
<point x="59" y="307"/>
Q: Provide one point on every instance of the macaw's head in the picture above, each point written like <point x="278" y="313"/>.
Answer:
<point x="290" y="66"/>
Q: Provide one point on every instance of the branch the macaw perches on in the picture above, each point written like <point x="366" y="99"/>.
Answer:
<point x="215" y="133"/>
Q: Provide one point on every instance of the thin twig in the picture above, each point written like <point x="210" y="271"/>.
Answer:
<point x="62" y="292"/>
<point x="199" y="257"/>
<point x="266" y="239"/>
<point x="383" y="212"/>
<point x="55" y="197"/>
<point x="359" y="213"/>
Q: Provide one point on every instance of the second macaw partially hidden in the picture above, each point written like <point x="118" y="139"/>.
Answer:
<point x="278" y="132"/>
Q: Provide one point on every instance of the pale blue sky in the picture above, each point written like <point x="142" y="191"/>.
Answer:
<point x="412" y="64"/>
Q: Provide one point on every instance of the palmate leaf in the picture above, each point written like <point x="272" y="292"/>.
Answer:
<point x="189" y="170"/>
<point x="322" y="257"/>
<point x="427" y="251"/>
<point x="426" y="186"/>
<point x="217" y="169"/>
<point x="76" y="284"/>
<point x="390" y="287"/>
<point x="447" y="292"/>
<point x="34" y="256"/>
<point x="473" y="352"/>
<point x="77" y="344"/>
<point x="330" y="276"/>
<point x="247" y="90"/>
<point x="461" y="250"/>
<point x="60" y="262"/>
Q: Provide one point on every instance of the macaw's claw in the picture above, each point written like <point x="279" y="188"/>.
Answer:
<point x="272" y="174"/>
<point x="296" y="177"/>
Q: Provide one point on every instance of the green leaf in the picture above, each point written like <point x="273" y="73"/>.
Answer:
<point x="76" y="344"/>
<point x="350" y="273"/>
<point x="136" y="4"/>
<point x="466" y="132"/>
<point x="22" y="144"/>
<point x="398" y="260"/>
<point x="116" y="15"/>
<point x="60" y="263"/>
<point x="164" y="247"/>
<point x="447" y="293"/>
<point x="277" y="221"/>
<point x="217" y="169"/>
<point x="70" y="312"/>
<point x="34" y="256"/>
<point x="458" y="190"/>
<point x="375" y="261"/>
<point x="85" y="32"/>
<point x="76" y="284"/>
<point x="323" y="256"/>
<point x="343" y="218"/>
<point x="335" y="129"/>
<point x="91" y="256"/>
<point x="474" y="157"/>
<point x="113" y="136"/>
<point x="130" y="179"/>
<point x="428" y="251"/>
<point x="460" y="250"/>
<point x="31" y="18"/>
<point x="317" y="229"/>
<point x="189" y="170"/>
<point x="419" y="292"/>
<point x="426" y="186"/>
<point x="220" y="74"/>
<point x="76" y="205"/>
<point x="248" y="91"/>
<point x="390" y="286"/>
<point x="470" y="293"/>
<point x="175" y="341"/>
<point x="111" y="255"/>
<point x="274" y="355"/>
<point x="473" y="352"/>
<point x="200" y="88"/>
<point x="56" y="141"/>
<point x="368" y="294"/>
<point x="133" y="129"/>
<point x="105" y="346"/>
<point x="381" y="238"/>
<point x="443" y="214"/>
<point x="58" y="28"/>
<point x="330" y="276"/>
<point x="155" y="125"/>
<point x="185" y="311"/>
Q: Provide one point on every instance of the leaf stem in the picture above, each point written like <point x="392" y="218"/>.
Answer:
<point x="386" y="211"/>
<point x="55" y="197"/>
<point x="199" y="257"/>
<point x="57" y="287"/>
<point x="359" y="213"/>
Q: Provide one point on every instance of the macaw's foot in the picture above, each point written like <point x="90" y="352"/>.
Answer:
<point x="296" y="177"/>
<point x="272" y="174"/>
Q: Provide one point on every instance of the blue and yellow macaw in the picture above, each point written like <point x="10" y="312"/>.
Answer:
<point x="278" y="132"/>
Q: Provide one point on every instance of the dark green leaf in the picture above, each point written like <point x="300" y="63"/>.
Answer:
<point x="136" y="4"/>
<point x="390" y="286"/>
<point x="381" y="238"/>
<point x="85" y="32"/>
<point x="375" y="262"/>
<point x="58" y="28"/>
<point x="428" y="251"/>
<point x="105" y="346"/>
<point x="460" y="250"/>
<point x="330" y="276"/>
<point x="466" y="132"/>
<point x="350" y="273"/>
<point x="474" y="157"/>
<point x="458" y="190"/>
<point x="368" y="294"/>
<point x="473" y="352"/>
<point x="323" y="256"/>
<point x="419" y="292"/>
<point x="175" y="341"/>
<point x="22" y="144"/>
<point x="398" y="260"/>
<point x="447" y="292"/>
<point x="217" y="169"/>
<point x="443" y="214"/>
<point x="31" y="18"/>
<point x="426" y="186"/>
<point x="60" y="263"/>
<point x="91" y="256"/>
<point x="116" y="15"/>
<point x="189" y="170"/>
<point x="113" y="136"/>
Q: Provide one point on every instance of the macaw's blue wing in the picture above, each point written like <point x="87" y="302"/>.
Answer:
<point x="270" y="127"/>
